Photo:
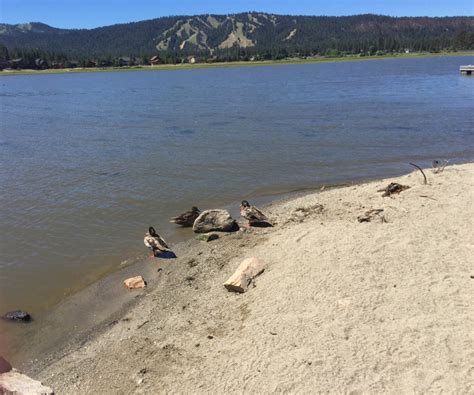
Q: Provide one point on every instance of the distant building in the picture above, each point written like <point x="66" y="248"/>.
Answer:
<point x="57" y="65"/>
<point x="155" y="60"/>
<point x="91" y="63"/>
<point x="4" y="64"/>
<point x="40" y="63"/>
<point x="124" y="61"/>
<point x="106" y="63"/>
<point x="17" y="63"/>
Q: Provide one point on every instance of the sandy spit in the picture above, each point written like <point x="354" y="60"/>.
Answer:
<point x="342" y="307"/>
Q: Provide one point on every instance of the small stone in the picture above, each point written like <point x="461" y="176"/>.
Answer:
<point x="17" y="315"/>
<point x="134" y="282"/>
<point x="210" y="337"/>
<point x="207" y="237"/>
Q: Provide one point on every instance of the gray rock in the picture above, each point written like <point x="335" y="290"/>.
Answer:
<point x="215" y="220"/>
<point x="14" y="382"/>
<point x="17" y="315"/>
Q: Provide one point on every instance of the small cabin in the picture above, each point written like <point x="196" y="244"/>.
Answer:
<point x="40" y="63"/>
<point x="124" y="61"/>
<point x="155" y="60"/>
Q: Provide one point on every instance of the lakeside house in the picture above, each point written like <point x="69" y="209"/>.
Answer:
<point x="155" y="60"/>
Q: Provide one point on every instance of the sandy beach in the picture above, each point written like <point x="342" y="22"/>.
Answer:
<point x="343" y="306"/>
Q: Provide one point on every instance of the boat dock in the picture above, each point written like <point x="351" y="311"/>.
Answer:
<point x="467" y="70"/>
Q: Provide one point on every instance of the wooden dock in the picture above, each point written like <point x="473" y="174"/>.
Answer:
<point x="467" y="70"/>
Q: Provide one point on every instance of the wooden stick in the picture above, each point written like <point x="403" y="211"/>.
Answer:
<point x="422" y="172"/>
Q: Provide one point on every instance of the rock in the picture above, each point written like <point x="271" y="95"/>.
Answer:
<point x="4" y="365"/>
<point x="135" y="282"/>
<point x="17" y="315"/>
<point x="207" y="237"/>
<point x="215" y="220"/>
<point x="14" y="382"/>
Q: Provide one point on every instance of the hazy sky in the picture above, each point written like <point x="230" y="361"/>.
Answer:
<point x="93" y="13"/>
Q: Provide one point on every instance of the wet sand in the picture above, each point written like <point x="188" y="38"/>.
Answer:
<point x="342" y="305"/>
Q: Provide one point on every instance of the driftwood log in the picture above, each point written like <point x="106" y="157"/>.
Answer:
<point x="248" y="269"/>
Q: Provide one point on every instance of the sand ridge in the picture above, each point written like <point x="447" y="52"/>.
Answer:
<point x="342" y="306"/>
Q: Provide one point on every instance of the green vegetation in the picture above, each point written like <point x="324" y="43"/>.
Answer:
<point x="232" y="64"/>
<point x="229" y="38"/>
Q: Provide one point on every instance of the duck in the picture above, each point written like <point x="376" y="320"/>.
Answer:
<point x="186" y="219"/>
<point x="252" y="214"/>
<point x="155" y="242"/>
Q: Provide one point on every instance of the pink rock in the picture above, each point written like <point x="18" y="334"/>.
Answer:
<point x="14" y="382"/>
<point x="135" y="282"/>
<point x="4" y="365"/>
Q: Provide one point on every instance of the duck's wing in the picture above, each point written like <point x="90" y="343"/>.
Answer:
<point x="185" y="219"/>
<point x="161" y="243"/>
<point x="256" y="215"/>
<point x="182" y="218"/>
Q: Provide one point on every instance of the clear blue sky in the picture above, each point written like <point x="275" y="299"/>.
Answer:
<point x="93" y="13"/>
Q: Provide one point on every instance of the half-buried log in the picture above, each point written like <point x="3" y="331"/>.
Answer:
<point x="248" y="269"/>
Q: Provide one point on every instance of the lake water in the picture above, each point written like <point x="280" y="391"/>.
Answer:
<point x="89" y="161"/>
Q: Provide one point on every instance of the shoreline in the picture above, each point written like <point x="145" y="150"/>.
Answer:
<point x="195" y="66"/>
<point x="172" y="291"/>
<point x="51" y="331"/>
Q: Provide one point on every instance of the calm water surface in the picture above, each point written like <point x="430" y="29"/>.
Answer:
<point x="89" y="161"/>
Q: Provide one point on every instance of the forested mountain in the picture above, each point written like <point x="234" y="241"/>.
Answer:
<point x="242" y="35"/>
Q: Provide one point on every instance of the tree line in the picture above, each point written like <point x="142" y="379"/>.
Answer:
<point x="272" y="37"/>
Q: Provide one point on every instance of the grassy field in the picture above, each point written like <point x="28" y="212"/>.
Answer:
<point x="233" y="64"/>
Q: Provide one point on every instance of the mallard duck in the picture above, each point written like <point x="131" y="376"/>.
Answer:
<point x="186" y="219"/>
<point x="252" y="214"/>
<point x="155" y="242"/>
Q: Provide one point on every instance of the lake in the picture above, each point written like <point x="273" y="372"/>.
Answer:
<point x="89" y="161"/>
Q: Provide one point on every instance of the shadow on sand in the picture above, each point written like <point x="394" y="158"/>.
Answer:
<point x="166" y="255"/>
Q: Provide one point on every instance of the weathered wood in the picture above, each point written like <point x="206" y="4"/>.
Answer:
<point x="248" y="269"/>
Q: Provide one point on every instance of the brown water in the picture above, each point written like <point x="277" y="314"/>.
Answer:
<point x="89" y="161"/>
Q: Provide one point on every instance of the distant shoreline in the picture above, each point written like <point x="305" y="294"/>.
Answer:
<point x="187" y="66"/>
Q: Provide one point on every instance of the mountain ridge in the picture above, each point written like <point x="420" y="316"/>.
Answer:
<point x="252" y="33"/>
